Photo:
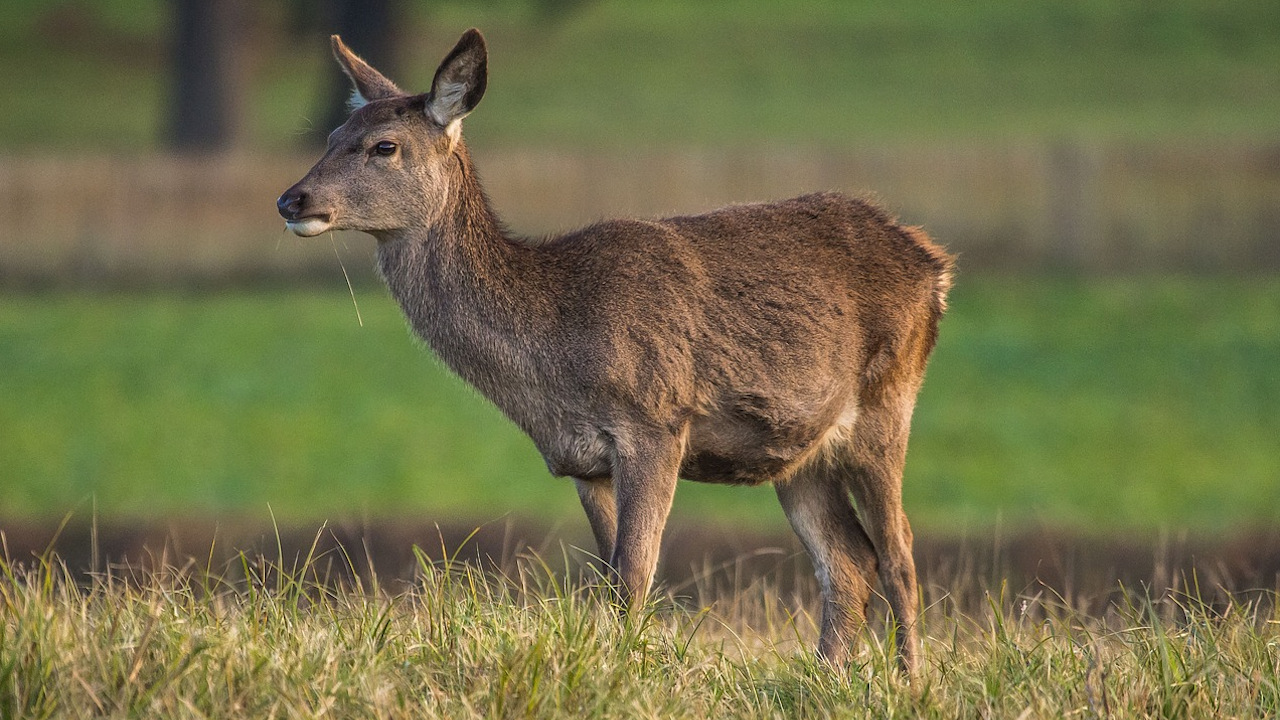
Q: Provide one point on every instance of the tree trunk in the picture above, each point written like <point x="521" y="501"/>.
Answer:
<point x="206" y="114"/>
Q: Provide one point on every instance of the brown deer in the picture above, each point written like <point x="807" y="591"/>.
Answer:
<point x="774" y="343"/>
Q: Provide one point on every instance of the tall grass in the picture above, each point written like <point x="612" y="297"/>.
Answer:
<point x="291" y="638"/>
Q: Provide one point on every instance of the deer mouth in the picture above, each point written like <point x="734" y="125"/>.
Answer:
<point x="309" y="226"/>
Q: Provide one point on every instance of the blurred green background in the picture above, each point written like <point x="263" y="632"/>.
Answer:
<point x="1110" y="365"/>
<point x="87" y="75"/>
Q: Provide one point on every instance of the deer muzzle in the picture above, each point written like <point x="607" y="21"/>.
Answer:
<point x="299" y="217"/>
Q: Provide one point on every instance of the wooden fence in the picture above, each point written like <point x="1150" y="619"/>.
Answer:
<point x="163" y="219"/>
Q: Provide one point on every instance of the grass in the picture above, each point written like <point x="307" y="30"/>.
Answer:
<point x="818" y="72"/>
<point x="1108" y="406"/>
<point x="278" y="639"/>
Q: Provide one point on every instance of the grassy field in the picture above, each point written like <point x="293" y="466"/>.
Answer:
<point x="820" y="72"/>
<point x="258" y="639"/>
<point x="1113" y="406"/>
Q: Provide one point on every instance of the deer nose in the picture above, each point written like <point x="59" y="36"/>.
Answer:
<point x="290" y="203"/>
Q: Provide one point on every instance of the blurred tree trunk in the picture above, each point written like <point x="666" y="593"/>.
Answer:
<point x="208" y="94"/>
<point x="372" y="29"/>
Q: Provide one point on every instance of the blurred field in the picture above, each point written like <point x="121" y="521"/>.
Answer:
<point x="163" y="220"/>
<point x="1107" y="406"/>
<point x="84" y="75"/>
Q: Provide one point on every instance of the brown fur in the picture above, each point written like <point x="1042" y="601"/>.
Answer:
<point x="778" y="342"/>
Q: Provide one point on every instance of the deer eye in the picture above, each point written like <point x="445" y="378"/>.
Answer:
<point x="385" y="147"/>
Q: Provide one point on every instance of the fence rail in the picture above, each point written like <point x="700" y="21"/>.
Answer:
<point x="104" y="219"/>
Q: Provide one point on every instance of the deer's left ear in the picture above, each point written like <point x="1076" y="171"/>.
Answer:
<point x="369" y="83"/>
<point x="460" y="80"/>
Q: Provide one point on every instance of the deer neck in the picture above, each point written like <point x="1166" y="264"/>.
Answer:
<point x="466" y="287"/>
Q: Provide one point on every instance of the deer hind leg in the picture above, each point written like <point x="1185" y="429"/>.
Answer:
<point x="645" y="473"/>
<point x="600" y="505"/>
<point x="817" y="506"/>
<point x="876" y="456"/>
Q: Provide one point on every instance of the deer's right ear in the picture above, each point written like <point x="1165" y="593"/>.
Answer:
<point x="460" y="80"/>
<point x="369" y="83"/>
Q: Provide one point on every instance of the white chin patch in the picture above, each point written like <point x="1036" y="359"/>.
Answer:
<point x="308" y="227"/>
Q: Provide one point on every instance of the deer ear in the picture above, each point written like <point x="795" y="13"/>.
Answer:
<point x="460" y="80"/>
<point x="369" y="83"/>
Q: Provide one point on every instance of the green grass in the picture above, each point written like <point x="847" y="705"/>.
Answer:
<point x="819" y="72"/>
<point x="263" y="639"/>
<point x="1106" y="406"/>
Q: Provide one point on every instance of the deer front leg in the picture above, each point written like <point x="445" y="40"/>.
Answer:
<point x="601" y="508"/>
<point x="644" y="483"/>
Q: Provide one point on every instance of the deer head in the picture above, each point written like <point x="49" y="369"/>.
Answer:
<point x="392" y="164"/>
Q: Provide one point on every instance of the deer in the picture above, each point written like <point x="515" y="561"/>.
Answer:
<point x="781" y="342"/>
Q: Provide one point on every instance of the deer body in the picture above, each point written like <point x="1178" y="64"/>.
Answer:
<point x="781" y="342"/>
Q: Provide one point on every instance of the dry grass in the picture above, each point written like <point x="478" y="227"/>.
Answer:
<point x="266" y="638"/>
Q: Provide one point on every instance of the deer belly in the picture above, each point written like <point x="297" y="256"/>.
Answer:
<point x="747" y="450"/>
<point x="727" y="468"/>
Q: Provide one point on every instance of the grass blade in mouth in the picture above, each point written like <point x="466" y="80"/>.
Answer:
<point x="346" y="277"/>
